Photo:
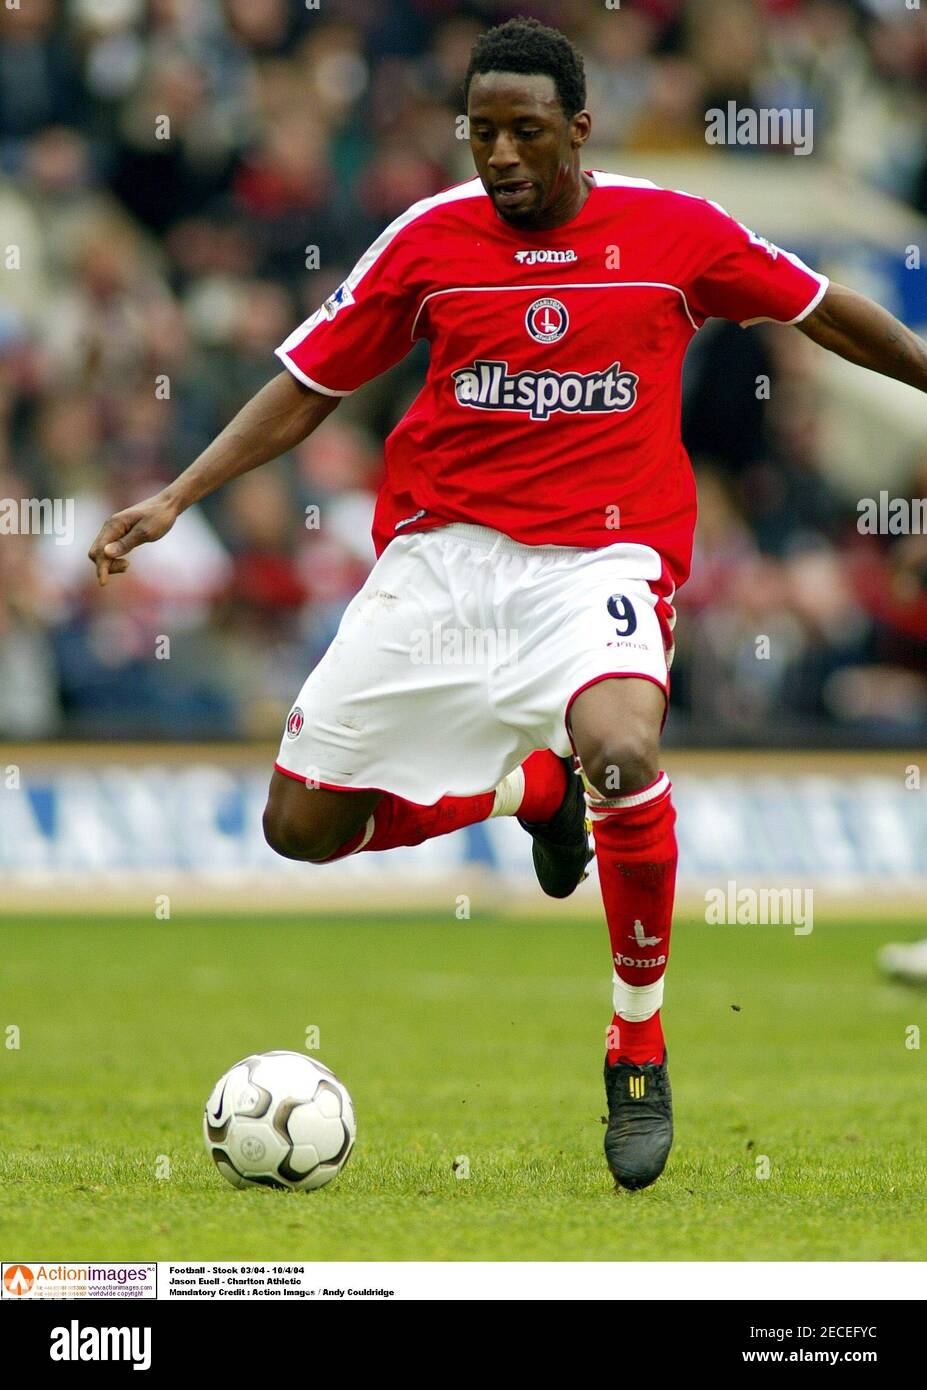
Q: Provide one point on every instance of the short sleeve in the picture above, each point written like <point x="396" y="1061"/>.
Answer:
<point x="363" y="328"/>
<point x="743" y="277"/>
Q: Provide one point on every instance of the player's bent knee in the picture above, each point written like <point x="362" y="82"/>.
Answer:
<point x="620" y="766"/>
<point x="292" y="839"/>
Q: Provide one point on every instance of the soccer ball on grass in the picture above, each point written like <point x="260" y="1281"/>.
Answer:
<point x="279" y="1119"/>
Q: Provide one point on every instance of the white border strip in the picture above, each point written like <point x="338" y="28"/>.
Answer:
<point x="568" y="285"/>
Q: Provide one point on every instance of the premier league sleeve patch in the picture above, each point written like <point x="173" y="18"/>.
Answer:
<point x="341" y="297"/>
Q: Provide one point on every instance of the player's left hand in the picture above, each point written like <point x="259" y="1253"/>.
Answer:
<point x="146" y="521"/>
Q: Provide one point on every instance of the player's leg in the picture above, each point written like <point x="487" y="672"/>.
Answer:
<point x="302" y="821"/>
<point x="397" y="724"/>
<point x="593" y="675"/>
<point x="314" y="823"/>
<point x="615" y="725"/>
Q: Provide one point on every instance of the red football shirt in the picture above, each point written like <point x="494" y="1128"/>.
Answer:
<point x="551" y="408"/>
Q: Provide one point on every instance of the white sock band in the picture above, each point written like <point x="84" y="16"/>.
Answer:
<point x="636" y="1003"/>
<point x="510" y="793"/>
<point x="369" y="828"/>
<point x="599" y="805"/>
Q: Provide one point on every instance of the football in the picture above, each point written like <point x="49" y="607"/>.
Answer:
<point x="279" y="1119"/>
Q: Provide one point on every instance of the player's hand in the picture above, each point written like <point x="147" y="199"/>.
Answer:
<point x="146" y="521"/>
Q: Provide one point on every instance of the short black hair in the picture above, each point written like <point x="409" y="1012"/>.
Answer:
<point x="527" y="46"/>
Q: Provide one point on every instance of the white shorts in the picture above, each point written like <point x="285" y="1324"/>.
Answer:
<point x="461" y="655"/>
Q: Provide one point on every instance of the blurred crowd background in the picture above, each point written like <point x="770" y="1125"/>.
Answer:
<point x="156" y="277"/>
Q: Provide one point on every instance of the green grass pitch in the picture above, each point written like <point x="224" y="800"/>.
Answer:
<point x="479" y="1039"/>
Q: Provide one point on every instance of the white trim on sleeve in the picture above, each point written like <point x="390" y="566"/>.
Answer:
<point x="471" y="189"/>
<point x="300" y="375"/>
<point x="809" y="307"/>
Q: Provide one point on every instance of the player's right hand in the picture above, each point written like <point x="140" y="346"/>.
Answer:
<point x="146" y="521"/>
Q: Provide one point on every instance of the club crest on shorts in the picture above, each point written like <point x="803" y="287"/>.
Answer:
<point x="295" y="723"/>
<point x="547" y="320"/>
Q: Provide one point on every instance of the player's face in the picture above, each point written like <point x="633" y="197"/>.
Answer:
<point x="525" y="150"/>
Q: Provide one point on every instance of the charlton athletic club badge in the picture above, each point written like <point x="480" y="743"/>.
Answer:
<point x="547" y="320"/>
<point x="295" y="723"/>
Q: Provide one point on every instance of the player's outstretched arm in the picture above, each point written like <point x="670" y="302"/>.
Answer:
<point x="863" y="332"/>
<point x="278" y="418"/>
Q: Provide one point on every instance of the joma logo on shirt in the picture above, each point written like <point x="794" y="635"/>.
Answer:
<point x="543" y="254"/>
<point x="487" y="385"/>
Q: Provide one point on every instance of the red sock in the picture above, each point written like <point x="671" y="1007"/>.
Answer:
<point x="636" y="854"/>
<point x="545" y="783"/>
<point x="399" y="822"/>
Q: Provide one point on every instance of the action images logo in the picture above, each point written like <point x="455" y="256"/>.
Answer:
<point x="487" y="385"/>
